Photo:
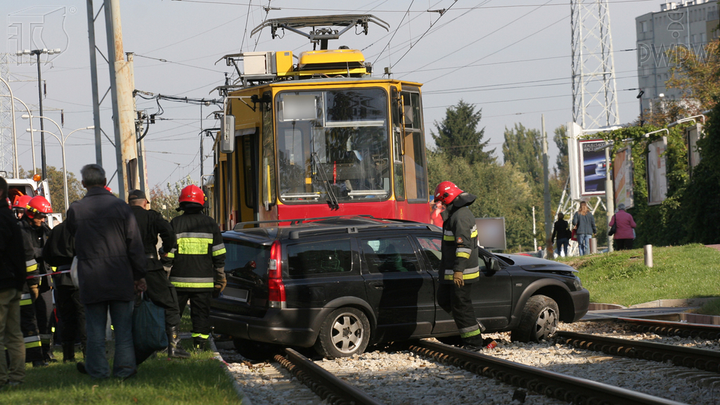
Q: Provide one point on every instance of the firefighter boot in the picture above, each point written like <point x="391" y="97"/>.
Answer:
<point x="199" y="344"/>
<point x="68" y="352"/>
<point x="175" y="348"/>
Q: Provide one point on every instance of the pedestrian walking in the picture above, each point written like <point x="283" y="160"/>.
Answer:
<point x="624" y="229"/>
<point x="561" y="235"/>
<point x="159" y="289"/>
<point x="584" y="225"/>
<point x="460" y="263"/>
<point x="111" y="268"/>
<point x="198" y="262"/>
<point x="59" y="251"/>
<point x="12" y="281"/>
<point x="36" y="306"/>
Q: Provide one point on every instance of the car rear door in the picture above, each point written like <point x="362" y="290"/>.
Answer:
<point x="400" y="291"/>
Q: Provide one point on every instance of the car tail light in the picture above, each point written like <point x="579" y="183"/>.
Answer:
<point x="276" y="288"/>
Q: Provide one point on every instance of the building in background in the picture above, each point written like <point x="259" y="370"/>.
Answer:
<point x="678" y="26"/>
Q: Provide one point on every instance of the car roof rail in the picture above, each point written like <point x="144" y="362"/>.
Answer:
<point x="297" y="234"/>
<point x="296" y="221"/>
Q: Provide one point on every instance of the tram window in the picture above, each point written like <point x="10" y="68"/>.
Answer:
<point x="345" y="149"/>
<point x="298" y="107"/>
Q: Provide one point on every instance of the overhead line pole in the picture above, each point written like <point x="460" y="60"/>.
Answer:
<point x="94" y="82"/>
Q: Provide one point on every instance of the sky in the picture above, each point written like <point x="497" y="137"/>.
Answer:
<point x="511" y="59"/>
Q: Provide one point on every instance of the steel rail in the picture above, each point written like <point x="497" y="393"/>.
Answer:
<point x="326" y="385"/>
<point x="702" y="359"/>
<point x="548" y="383"/>
<point x="673" y="328"/>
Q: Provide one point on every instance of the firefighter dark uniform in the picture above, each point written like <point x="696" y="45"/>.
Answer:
<point x="198" y="262"/>
<point x="36" y="300"/>
<point x="460" y="268"/>
<point x="159" y="289"/>
<point x="59" y="251"/>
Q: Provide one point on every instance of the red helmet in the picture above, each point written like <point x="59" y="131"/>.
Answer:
<point x="21" y="201"/>
<point x="446" y="192"/>
<point x="192" y="193"/>
<point x="38" y="205"/>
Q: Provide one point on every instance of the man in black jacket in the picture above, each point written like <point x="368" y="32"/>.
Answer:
<point x="12" y="280"/>
<point x="111" y="267"/>
<point x="460" y="262"/>
<point x="161" y="292"/>
<point x="198" y="262"/>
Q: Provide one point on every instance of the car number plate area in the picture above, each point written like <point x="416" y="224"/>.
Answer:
<point x="236" y="294"/>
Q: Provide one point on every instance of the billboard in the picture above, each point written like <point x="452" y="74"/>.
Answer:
<point x="491" y="233"/>
<point x="623" y="177"/>
<point x="593" y="168"/>
<point x="656" y="176"/>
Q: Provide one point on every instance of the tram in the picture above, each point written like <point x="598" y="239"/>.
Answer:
<point x="316" y="135"/>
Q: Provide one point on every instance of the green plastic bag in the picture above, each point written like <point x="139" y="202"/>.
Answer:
<point x="148" y="328"/>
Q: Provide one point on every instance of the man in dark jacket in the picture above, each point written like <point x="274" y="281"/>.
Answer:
<point x="12" y="280"/>
<point x="111" y="267"/>
<point x="59" y="251"/>
<point x="161" y="292"/>
<point x="198" y="262"/>
<point x="460" y="268"/>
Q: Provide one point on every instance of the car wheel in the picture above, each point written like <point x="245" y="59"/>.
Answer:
<point x="253" y="350"/>
<point x="346" y="331"/>
<point x="539" y="320"/>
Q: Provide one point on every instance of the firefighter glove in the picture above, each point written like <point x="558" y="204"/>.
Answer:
<point x="458" y="278"/>
<point x="34" y="291"/>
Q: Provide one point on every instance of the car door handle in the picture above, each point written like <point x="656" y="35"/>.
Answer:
<point x="377" y="284"/>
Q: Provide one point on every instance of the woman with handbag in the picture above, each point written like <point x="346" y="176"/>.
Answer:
<point x="584" y="225"/>
<point x="624" y="225"/>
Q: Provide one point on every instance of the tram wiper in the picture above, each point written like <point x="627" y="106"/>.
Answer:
<point x="334" y="203"/>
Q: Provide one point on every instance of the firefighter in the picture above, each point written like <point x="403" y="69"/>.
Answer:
<point x="159" y="288"/>
<point x="198" y="262"/>
<point x="19" y="205"/>
<point x="460" y="269"/>
<point x="36" y="302"/>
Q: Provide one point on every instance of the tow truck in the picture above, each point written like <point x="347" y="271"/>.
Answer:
<point x="33" y="187"/>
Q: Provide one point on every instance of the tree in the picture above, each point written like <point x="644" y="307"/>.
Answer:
<point x="57" y="192"/>
<point x="165" y="201"/>
<point x="523" y="149"/>
<point x="458" y="135"/>
<point x="561" y="162"/>
<point x="696" y="74"/>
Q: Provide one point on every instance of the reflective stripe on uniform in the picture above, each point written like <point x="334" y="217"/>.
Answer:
<point x="46" y="338"/>
<point x="448" y="236"/>
<point x="32" y="341"/>
<point x="218" y="250"/>
<point x="468" y="274"/>
<point x="31" y="265"/>
<point x="470" y="331"/>
<point x="25" y="299"/>
<point x="194" y="243"/>
<point x="200" y="335"/>
<point x="192" y="282"/>
<point x="463" y="252"/>
<point x="473" y="232"/>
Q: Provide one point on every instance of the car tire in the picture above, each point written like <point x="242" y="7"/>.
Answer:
<point x="539" y="320"/>
<point x="253" y="350"/>
<point x="345" y="332"/>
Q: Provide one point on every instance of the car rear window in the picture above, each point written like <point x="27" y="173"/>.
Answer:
<point x="246" y="257"/>
<point x="319" y="257"/>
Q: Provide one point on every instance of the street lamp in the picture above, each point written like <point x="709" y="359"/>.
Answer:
<point x="38" y="52"/>
<point x="12" y="113"/>
<point x="62" y="138"/>
<point x="32" y="136"/>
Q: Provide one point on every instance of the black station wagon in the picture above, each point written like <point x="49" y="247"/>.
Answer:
<point x="341" y="283"/>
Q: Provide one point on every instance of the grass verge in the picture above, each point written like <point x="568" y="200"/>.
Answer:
<point x="689" y="271"/>
<point x="198" y="380"/>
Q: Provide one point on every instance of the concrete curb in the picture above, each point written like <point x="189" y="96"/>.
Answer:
<point x="664" y="303"/>
<point x="244" y="399"/>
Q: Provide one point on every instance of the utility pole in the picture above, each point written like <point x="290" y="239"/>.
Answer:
<point x="546" y="194"/>
<point x="94" y="82"/>
<point x="122" y="101"/>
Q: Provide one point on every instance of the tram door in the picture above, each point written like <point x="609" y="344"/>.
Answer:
<point x="247" y="176"/>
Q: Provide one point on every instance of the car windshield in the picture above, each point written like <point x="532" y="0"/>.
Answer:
<point x="333" y="139"/>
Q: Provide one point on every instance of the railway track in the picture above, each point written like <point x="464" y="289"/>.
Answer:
<point x="551" y="384"/>
<point x="671" y="328"/>
<point x="702" y="359"/>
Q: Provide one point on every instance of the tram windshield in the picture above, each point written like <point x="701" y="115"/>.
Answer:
<point x="333" y="140"/>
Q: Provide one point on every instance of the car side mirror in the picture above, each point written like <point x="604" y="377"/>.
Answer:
<point x="494" y="265"/>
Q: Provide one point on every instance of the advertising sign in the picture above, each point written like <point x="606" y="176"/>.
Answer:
<point x="692" y="135"/>
<point x="491" y="233"/>
<point x="623" y="178"/>
<point x="656" y="177"/>
<point x="593" y="168"/>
